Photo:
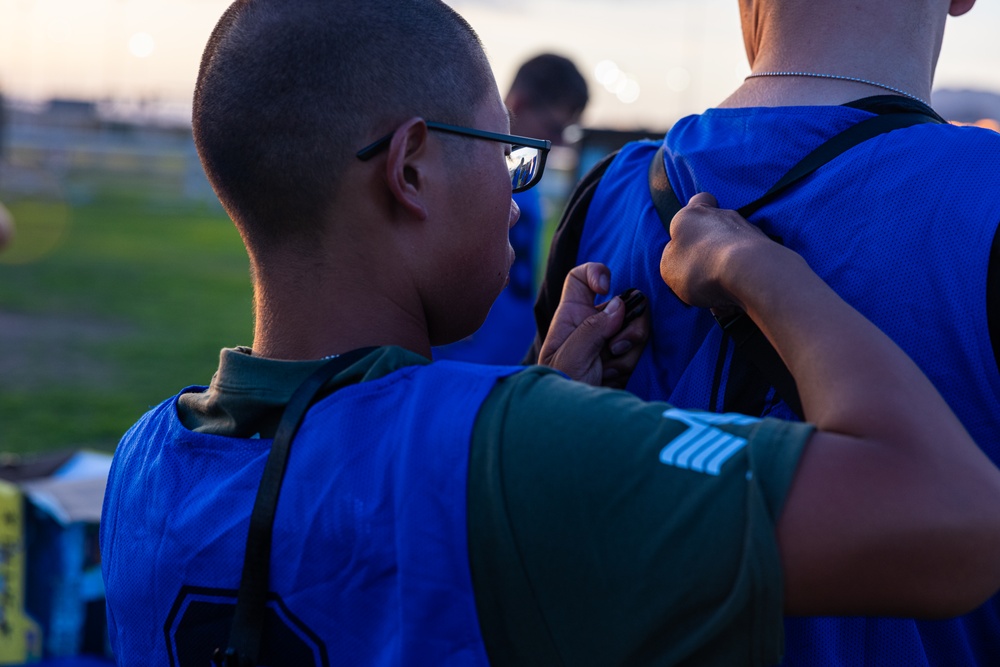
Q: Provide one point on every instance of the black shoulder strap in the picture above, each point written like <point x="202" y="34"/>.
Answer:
<point x="747" y="337"/>
<point x="835" y="146"/>
<point x="993" y="296"/>
<point x="251" y="602"/>
<point x="666" y="202"/>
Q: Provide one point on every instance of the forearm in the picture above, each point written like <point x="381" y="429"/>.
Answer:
<point x="893" y="509"/>
<point x="894" y="506"/>
<point x="851" y="377"/>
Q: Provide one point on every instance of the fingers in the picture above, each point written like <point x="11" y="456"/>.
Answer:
<point x="585" y="282"/>
<point x="622" y="352"/>
<point x="698" y="207"/>
<point x="700" y="236"/>
<point x="593" y="334"/>
<point x="579" y="354"/>
<point x="703" y="199"/>
<point x="709" y="249"/>
<point x="583" y="337"/>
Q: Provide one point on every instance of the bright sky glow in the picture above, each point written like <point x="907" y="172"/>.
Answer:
<point x="141" y="45"/>
<point x="670" y="57"/>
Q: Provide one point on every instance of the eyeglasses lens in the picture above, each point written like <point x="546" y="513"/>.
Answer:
<point x="522" y="163"/>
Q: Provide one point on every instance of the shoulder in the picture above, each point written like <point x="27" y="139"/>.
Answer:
<point x="634" y="157"/>
<point x="957" y="174"/>
<point x="570" y="483"/>
<point x="161" y="418"/>
<point x="962" y="147"/>
<point x="538" y="419"/>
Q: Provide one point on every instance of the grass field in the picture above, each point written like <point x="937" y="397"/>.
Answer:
<point x="107" y="308"/>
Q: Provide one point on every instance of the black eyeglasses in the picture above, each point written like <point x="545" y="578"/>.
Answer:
<point x="525" y="162"/>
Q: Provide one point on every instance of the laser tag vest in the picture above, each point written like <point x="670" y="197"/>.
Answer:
<point x="901" y="226"/>
<point x="369" y="562"/>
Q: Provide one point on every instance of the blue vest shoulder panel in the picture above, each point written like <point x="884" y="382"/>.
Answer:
<point x="369" y="559"/>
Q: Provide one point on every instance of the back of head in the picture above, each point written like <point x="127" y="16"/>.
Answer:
<point x="289" y="90"/>
<point x="550" y="80"/>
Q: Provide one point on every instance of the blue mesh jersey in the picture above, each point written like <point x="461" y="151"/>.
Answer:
<point x="900" y="226"/>
<point x="177" y="511"/>
<point x="509" y="329"/>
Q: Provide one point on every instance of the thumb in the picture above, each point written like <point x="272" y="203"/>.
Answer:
<point x="585" y="282"/>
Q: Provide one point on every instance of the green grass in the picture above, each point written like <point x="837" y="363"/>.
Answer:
<point x="110" y="307"/>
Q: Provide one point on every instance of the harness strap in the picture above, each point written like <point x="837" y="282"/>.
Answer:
<point x="247" y="630"/>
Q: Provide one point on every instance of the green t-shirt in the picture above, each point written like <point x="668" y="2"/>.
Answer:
<point x="603" y="530"/>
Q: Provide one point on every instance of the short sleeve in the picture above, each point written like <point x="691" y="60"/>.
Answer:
<point x="607" y="530"/>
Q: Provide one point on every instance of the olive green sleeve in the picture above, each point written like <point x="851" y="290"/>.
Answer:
<point x="604" y="530"/>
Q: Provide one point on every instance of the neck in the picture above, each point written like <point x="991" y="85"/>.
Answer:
<point x="891" y="43"/>
<point x="301" y="316"/>
<point x="884" y="88"/>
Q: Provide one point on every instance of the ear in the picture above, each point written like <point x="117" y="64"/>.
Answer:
<point x="959" y="7"/>
<point x="515" y="101"/>
<point x="405" y="166"/>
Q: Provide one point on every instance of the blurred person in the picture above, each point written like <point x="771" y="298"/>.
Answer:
<point x="548" y="95"/>
<point x="454" y="513"/>
<point x="6" y="219"/>
<point x="6" y="227"/>
<point x="902" y="225"/>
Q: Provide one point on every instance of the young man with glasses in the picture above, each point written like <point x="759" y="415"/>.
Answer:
<point x="450" y="513"/>
<point x="548" y="95"/>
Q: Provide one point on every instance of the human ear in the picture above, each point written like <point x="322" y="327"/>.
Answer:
<point x="515" y="102"/>
<point x="959" y="7"/>
<point x="404" y="169"/>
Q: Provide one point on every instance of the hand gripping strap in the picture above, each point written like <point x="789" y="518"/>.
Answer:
<point x="563" y="252"/>
<point x="748" y="338"/>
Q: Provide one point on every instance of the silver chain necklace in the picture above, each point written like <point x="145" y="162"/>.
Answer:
<point x="840" y="77"/>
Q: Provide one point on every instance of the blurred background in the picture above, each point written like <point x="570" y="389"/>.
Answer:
<point x="124" y="276"/>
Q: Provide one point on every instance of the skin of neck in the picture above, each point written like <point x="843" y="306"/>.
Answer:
<point x="320" y="297"/>
<point x="890" y="42"/>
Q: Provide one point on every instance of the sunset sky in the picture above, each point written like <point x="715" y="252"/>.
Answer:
<point x="660" y="59"/>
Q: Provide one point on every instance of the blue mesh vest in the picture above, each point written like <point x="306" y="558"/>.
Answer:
<point x="369" y="558"/>
<point x="900" y="226"/>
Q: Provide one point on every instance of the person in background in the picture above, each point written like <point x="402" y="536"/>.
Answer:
<point x="548" y="95"/>
<point x="6" y="219"/>
<point x="904" y="226"/>
<point x="6" y="227"/>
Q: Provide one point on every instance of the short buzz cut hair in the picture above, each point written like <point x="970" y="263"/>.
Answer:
<point x="289" y="90"/>
<point x="551" y="80"/>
